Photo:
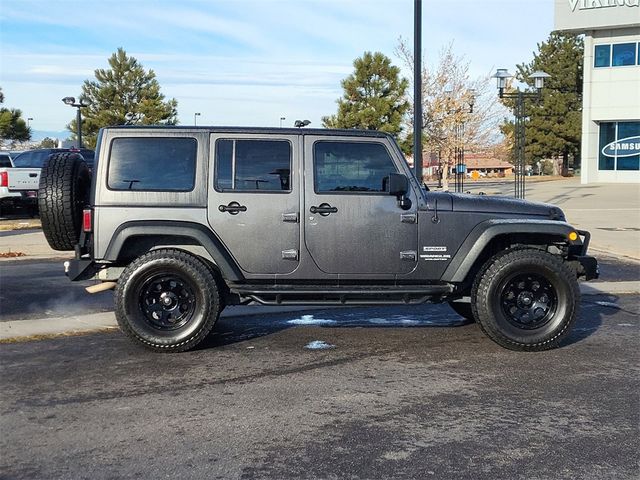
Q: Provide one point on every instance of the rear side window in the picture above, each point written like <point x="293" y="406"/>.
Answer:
<point x="351" y="167"/>
<point x="152" y="164"/>
<point x="253" y="165"/>
<point x="5" y="161"/>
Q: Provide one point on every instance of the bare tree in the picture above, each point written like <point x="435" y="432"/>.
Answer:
<point x="447" y="92"/>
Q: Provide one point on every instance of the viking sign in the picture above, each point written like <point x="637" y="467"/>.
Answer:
<point x="625" y="147"/>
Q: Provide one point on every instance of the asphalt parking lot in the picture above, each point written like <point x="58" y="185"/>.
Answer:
<point x="396" y="396"/>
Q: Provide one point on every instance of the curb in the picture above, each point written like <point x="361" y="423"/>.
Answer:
<point x="25" y="330"/>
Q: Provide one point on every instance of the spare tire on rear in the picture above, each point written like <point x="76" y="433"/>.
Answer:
<point x="65" y="182"/>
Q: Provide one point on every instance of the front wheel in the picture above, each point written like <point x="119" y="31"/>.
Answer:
<point x="526" y="299"/>
<point x="167" y="300"/>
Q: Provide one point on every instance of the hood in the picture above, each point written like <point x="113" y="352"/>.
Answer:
<point x="464" y="202"/>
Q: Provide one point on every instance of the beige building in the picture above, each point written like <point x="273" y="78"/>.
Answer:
<point x="611" y="100"/>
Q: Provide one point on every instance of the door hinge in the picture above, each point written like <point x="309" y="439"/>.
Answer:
<point x="290" y="217"/>
<point x="411" y="255"/>
<point x="290" y="254"/>
<point x="408" y="218"/>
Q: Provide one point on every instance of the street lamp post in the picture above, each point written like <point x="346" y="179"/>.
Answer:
<point x="195" y="118"/>
<point x="458" y="131"/>
<point x="282" y="119"/>
<point x="502" y="75"/>
<point x="82" y="102"/>
<point x="29" y="120"/>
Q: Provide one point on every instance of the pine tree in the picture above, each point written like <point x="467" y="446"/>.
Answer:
<point x="123" y="94"/>
<point x="374" y="97"/>
<point x="12" y="126"/>
<point x="554" y="123"/>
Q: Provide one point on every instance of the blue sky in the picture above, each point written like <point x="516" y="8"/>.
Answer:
<point x="243" y="62"/>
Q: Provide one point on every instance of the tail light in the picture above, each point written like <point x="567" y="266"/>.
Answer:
<point x="4" y="179"/>
<point x="87" y="220"/>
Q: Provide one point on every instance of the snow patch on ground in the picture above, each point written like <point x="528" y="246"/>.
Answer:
<point x="309" y="320"/>
<point x="608" y="304"/>
<point x="318" y="345"/>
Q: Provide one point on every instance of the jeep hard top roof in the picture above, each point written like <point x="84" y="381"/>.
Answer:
<point x="257" y="130"/>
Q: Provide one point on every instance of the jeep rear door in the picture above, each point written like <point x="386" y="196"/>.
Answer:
<point x="254" y="200"/>
<point x="352" y="226"/>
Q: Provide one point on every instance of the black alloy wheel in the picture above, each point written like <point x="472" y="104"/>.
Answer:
<point x="168" y="302"/>
<point x="528" y="301"/>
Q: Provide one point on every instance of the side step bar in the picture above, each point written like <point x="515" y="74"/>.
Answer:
<point x="384" y="295"/>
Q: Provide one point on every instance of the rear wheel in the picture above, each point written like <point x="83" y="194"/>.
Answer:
<point x="167" y="300"/>
<point x="526" y="299"/>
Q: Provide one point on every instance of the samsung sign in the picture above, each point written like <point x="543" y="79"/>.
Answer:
<point x="625" y="147"/>
<point x="583" y="15"/>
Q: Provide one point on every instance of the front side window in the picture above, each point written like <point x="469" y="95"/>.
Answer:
<point x="602" y="56"/>
<point x="624" y="54"/>
<point x="619" y="146"/>
<point x="351" y="167"/>
<point x="152" y="164"/>
<point x="253" y="165"/>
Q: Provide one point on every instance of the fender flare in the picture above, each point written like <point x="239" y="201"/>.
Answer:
<point x="483" y="233"/>
<point x="200" y="233"/>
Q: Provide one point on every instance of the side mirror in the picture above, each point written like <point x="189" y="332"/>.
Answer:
<point x="398" y="186"/>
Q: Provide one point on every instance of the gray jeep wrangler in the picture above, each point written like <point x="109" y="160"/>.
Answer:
<point x="183" y="221"/>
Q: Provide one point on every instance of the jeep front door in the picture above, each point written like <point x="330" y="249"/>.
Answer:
<point x="352" y="225"/>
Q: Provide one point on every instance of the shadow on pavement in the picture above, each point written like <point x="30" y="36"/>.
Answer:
<point x="239" y="329"/>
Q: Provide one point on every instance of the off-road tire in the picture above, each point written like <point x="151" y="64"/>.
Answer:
<point x="131" y="303"/>
<point x="463" y="309"/>
<point x="491" y="292"/>
<point x="65" y="181"/>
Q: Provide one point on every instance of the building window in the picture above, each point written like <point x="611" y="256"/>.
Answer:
<point x="602" y="56"/>
<point x="253" y="165"/>
<point x="624" y="54"/>
<point x="619" y="146"/>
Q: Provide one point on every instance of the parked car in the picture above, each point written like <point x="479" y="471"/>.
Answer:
<point x="20" y="179"/>
<point x="35" y="158"/>
<point x="185" y="221"/>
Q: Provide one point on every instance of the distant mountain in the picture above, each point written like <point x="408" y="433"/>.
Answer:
<point x="39" y="135"/>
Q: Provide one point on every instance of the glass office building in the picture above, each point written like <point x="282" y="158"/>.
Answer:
<point x="611" y="100"/>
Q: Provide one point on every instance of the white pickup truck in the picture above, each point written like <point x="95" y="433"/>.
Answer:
<point x="19" y="184"/>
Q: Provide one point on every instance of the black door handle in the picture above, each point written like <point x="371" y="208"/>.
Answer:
<point x="323" y="209"/>
<point x="233" y="208"/>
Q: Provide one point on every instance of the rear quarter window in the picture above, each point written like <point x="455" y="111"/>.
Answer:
<point x="152" y="164"/>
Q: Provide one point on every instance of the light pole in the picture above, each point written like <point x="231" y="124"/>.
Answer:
<point x="195" y="118"/>
<point x="282" y="119"/>
<point x="29" y="120"/>
<point x="417" y="90"/>
<point x="82" y="102"/>
<point x="502" y="75"/>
